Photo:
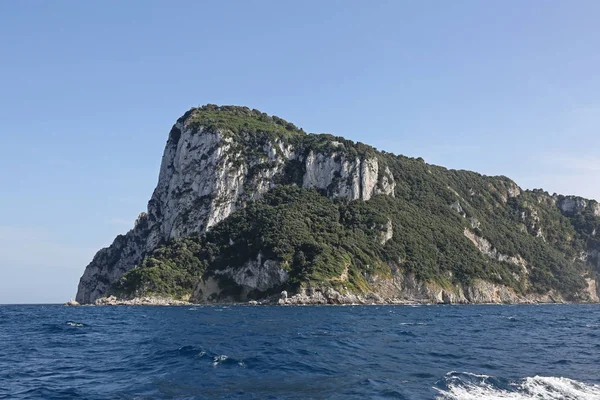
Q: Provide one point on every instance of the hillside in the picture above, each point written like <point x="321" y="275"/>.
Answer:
<point x="248" y="205"/>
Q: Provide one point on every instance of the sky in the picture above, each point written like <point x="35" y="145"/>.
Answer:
<point x="90" y="89"/>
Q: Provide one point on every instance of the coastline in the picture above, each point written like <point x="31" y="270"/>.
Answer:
<point x="140" y="301"/>
<point x="321" y="299"/>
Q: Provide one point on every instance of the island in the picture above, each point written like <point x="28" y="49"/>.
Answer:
<point x="250" y="208"/>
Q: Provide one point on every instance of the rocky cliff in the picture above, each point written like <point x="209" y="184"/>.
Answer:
<point x="207" y="172"/>
<point x="247" y="205"/>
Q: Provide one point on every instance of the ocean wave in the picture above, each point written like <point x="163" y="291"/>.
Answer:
<point x="406" y="333"/>
<point x="201" y="355"/>
<point x="298" y="353"/>
<point x="467" y="386"/>
<point x="219" y="359"/>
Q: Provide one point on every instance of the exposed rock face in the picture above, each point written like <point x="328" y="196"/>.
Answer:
<point x="593" y="290"/>
<point x="255" y="275"/>
<point x="352" y="179"/>
<point x="486" y="248"/>
<point x="457" y="207"/>
<point x="513" y="190"/>
<point x="571" y="205"/>
<point x="405" y="289"/>
<point x="207" y="290"/>
<point x="310" y="296"/>
<point x="402" y="288"/>
<point x="205" y="176"/>
<point x="388" y="233"/>
<point x="110" y="263"/>
<point x="596" y="208"/>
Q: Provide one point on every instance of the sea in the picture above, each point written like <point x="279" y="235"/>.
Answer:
<point x="310" y="352"/>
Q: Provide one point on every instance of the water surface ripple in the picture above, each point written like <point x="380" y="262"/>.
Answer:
<point x="241" y="352"/>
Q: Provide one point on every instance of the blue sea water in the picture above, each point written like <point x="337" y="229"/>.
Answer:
<point x="353" y="352"/>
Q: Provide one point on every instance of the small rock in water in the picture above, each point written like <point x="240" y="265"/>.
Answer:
<point x="72" y="303"/>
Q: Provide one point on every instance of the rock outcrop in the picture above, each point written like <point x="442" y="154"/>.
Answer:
<point x="258" y="275"/>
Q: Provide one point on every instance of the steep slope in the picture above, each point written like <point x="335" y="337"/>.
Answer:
<point x="218" y="159"/>
<point x="249" y="205"/>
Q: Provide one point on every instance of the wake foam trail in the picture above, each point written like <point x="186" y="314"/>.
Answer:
<point x="466" y="386"/>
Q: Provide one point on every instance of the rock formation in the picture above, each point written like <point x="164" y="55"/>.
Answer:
<point x="414" y="222"/>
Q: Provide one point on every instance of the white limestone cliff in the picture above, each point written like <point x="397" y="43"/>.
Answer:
<point x="205" y="176"/>
<point x="572" y="205"/>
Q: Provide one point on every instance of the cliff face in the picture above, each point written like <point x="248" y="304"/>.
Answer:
<point x="248" y="205"/>
<point x="206" y="174"/>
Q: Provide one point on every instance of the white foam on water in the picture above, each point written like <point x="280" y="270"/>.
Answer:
<point x="480" y="387"/>
<point x="74" y="324"/>
<point x="219" y="359"/>
<point x="560" y="388"/>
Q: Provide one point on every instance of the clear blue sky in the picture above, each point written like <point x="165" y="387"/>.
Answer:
<point x="90" y="89"/>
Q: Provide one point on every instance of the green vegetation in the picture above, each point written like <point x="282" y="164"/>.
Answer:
<point x="172" y="270"/>
<point x="238" y="120"/>
<point x="252" y="129"/>
<point x="318" y="239"/>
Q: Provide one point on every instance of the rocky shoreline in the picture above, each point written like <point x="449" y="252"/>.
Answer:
<point x="328" y="296"/>
<point x="332" y="297"/>
<point x="140" y="301"/>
